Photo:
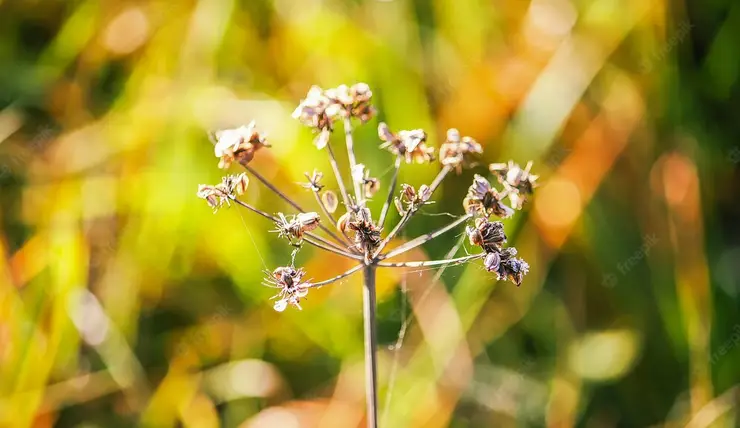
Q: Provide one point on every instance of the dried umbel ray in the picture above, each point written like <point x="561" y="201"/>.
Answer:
<point x="355" y="233"/>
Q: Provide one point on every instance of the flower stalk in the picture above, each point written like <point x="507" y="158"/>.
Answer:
<point x="361" y="239"/>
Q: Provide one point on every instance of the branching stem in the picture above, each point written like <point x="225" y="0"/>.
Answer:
<point x="432" y="262"/>
<point x="336" y="278"/>
<point x="423" y="239"/>
<point x="391" y="191"/>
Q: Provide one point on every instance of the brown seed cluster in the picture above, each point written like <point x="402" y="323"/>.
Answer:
<point x="294" y="229"/>
<point x="519" y="183"/>
<point x="321" y="108"/>
<point x="229" y="187"/>
<point x="458" y="152"/>
<point x="490" y="236"/>
<point x="292" y="287"/>
<point x="483" y="199"/>
<point x="412" y="199"/>
<point x="359" y="222"/>
<point x="238" y="144"/>
<point x="411" y="145"/>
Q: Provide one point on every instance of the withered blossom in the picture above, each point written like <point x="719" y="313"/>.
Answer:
<point x="292" y="287"/>
<point x="238" y="144"/>
<point x="369" y="184"/>
<point x="488" y="235"/>
<point x="314" y="181"/>
<point x="366" y="234"/>
<point x="411" y="199"/>
<point x="330" y="201"/>
<point x="409" y="144"/>
<point x="506" y="265"/>
<point x="351" y="101"/>
<point x="458" y="152"/>
<point x="229" y="187"/>
<point x="316" y="112"/>
<point x="483" y="199"/>
<point x="519" y="182"/>
<point x="297" y="226"/>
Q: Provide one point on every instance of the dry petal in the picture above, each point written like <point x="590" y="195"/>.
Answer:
<point x="330" y="200"/>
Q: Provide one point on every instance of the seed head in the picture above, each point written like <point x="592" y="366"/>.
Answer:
<point x="366" y="234"/>
<point x="506" y="265"/>
<point x="411" y="199"/>
<point x="519" y="182"/>
<point x="489" y="235"/>
<point x="362" y="175"/>
<point x="458" y="152"/>
<point x="229" y="187"/>
<point x="314" y="181"/>
<point x="297" y="226"/>
<point x="485" y="200"/>
<point x="352" y="101"/>
<point x="239" y="144"/>
<point x="409" y="144"/>
<point x="290" y="282"/>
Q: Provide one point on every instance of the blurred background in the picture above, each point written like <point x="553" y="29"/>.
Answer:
<point x="124" y="301"/>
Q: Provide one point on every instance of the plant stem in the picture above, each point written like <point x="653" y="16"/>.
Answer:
<point x="315" y="240"/>
<point x="421" y="240"/>
<point x="337" y="175"/>
<point x="352" y="160"/>
<point x="371" y="367"/>
<point x="432" y="262"/>
<point x="336" y="278"/>
<point x="438" y="179"/>
<point x="331" y="218"/>
<point x="391" y="190"/>
<point x="287" y="199"/>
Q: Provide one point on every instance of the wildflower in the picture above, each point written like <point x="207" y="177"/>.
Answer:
<point x="409" y="144"/>
<point x="411" y="199"/>
<point x="489" y="235"/>
<point x="485" y="200"/>
<point x="239" y="144"/>
<point x="218" y="195"/>
<point x="519" y="182"/>
<point x="506" y="265"/>
<point x="314" y="181"/>
<point x="290" y="282"/>
<point x="297" y="226"/>
<point x="458" y="152"/>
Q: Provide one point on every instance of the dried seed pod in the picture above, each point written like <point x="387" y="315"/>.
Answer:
<point x="314" y="181"/>
<point x="518" y="181"/>
<point x="360" y="223"/>
<point x="489" y="235"/>
<point x="292" y="287"/>
<point x="297" y="226"/>
<point x="238" y="144"/>
<point x="330" y="200"/>
<point x="457" y="151"/>
<point x="220" y="194"/>
<point x="409" y="144"/>
<point x="506" y="266"/>
<point x="485" y="200"/>
<point x="411" y="199"/>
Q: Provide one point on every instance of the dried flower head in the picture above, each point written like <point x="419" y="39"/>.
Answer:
<point x="485" y="200"/>
<point x="314" y="181"/>
<point x="519" y="182"/>
<point x="411" y="199"/>
<point x="351" y="101"/>
<point x="229" y="187"/>
<point x="297" y="226"/>
<point x="290" y="282"/>
<point x="366" y="234"/>
<point x="316" y="111"/>
<point x="457" y="151"/>
<point x="409" y="144"/>
<point x="488" y="235"/>
<point x="506" y="265"/>
<point x="239" y="144"/>
<point x="361" y="175"/>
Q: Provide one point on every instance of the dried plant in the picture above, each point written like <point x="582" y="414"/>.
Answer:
<point x="356" y="234"/>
